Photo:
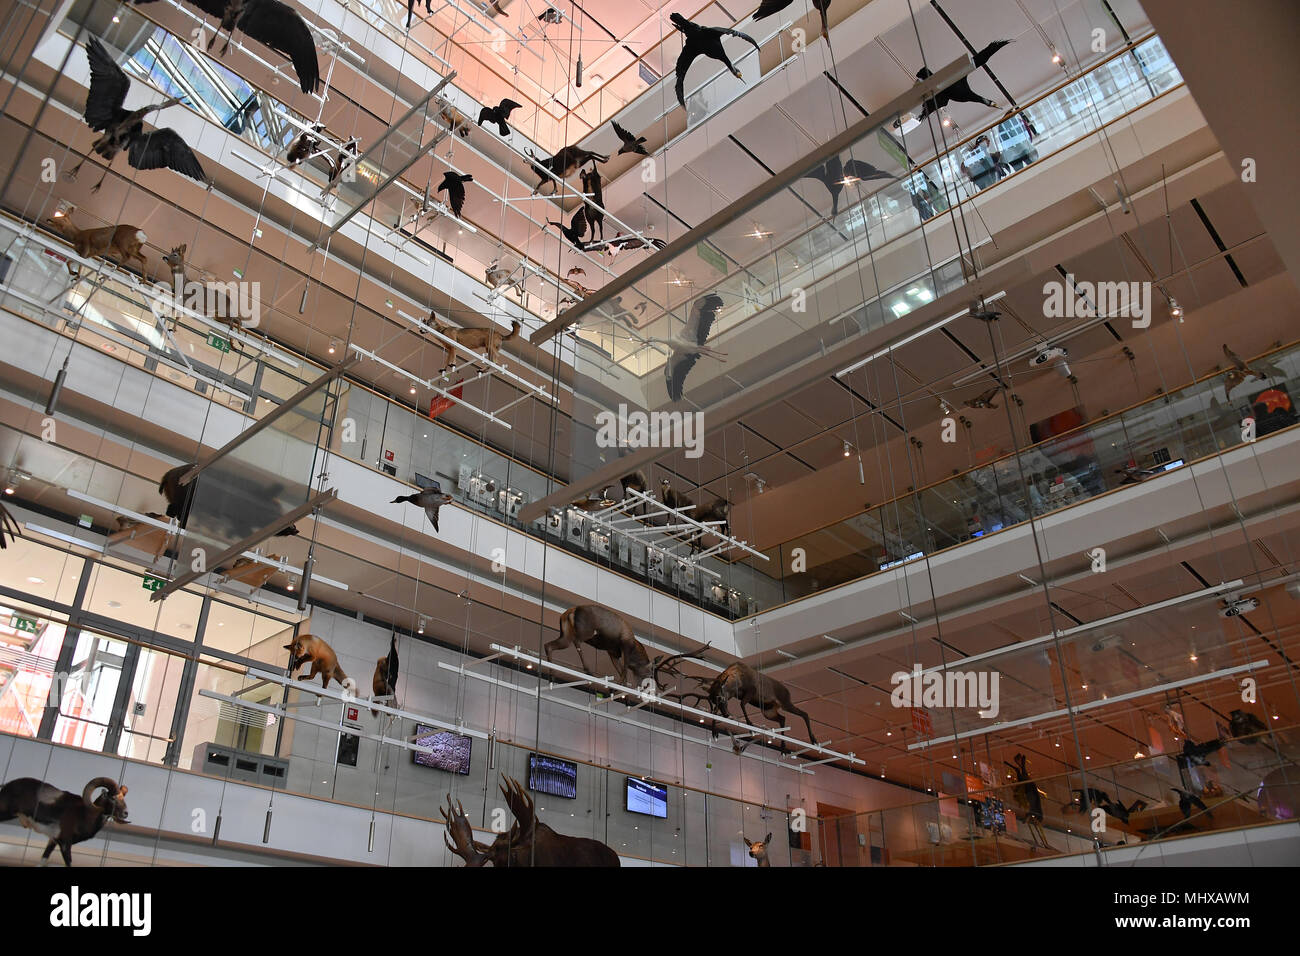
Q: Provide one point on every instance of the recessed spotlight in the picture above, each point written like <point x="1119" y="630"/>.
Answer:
<point x="35" y="580"/>
<point x="114" y="604"/>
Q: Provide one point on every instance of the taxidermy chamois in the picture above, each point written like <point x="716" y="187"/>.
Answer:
<point x="384" y="683"/>
<point x="62" y="816"/>
<point x="606" y="631"/>
<point x="123" y="243"/>
<point x="758" y="849"/>
<point x="529" y="842"/>
<point x="741" y="682"/>
<point x="308" y="647"/>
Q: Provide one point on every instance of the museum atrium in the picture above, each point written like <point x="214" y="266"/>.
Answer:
<point x="890" y="469"/>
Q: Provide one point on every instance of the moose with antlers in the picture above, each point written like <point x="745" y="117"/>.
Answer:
<point x="606" y="631"/>
<point x="62" y="816"/>
<point x="528" y="843"/>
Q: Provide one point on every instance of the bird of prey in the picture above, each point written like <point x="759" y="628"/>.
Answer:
<point x="384" y="681"/>
<point x="454" y="184"/>
<point x="1241" y="372"/>
<point x="576" y="271"/>
<point x="984" y="315"/>
<point x="272" y="23"/>
<point x="576" y="229"/>
<point x="499" y="114"/>
<point x="578" y="287"/>
<point x="631" y="142"/>
<point x="768" y="7"/>
<point x="551" y="15"/>
<point x="688" y="345"/>
<point x="1195" y="754"/>
<point x="984" y="399"/>
<point x="960" y="91"/>
<point x="835" y="175"/>
<point x="7" y="526"/>
<point x="1187" y="800"/>
<point x="1243" y="723"/>
<point x="622" y="243"/>
<point x="702" y="41"/>
<point x="430" y="499"/>
<point x="160" y="149"/>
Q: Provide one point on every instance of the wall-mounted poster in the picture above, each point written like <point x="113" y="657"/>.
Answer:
<point x="1273" y="409"/>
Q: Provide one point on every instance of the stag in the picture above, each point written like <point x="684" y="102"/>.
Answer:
<point x="741" y="682"/>
<point x="528" y="843"/>
<point x="606" y="631"/>
<point x="62" y="816"/>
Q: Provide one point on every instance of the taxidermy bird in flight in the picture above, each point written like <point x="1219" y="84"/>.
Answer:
<point x="272" y="24"/>
<point x="984" y="399"/>
<point x="410" y="8"/>
<point x="960" y="91"/>
<point x="1241" y="372"/>
<point x="768" y="7"/>
<point x="160" y="149"/>
<point x="835" y="175"/>
<point x="454" y="184"/>
<point x="430" y="499"/>
<point x="688" y="345"/>
<point x="576" y="229"/>
<point x="499" y="114"/>
<point x="631" y="142"/>
<point x="702" y="41"/>
<point x="1187" y="800"/>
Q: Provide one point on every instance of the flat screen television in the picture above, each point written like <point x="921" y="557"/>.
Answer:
<point x="990" y="814"/>
<point x="552" y="775"/>
<point x="646" y="798"/>
<point x="451" y="751"/>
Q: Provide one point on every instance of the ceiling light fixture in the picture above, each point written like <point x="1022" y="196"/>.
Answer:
<point x="848" y="449"/>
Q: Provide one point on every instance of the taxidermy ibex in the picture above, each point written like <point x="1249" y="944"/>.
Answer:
<point x="308" y="647"/>
<point x="62" y="816"/>
<point x="529" y="842"/>
<point x="741" y="682"/>
<point x="606" y="631"/>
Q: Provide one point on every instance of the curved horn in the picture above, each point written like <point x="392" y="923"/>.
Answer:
<point x="108" y="783"/>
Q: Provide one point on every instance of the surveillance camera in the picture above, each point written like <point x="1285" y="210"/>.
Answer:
<point x="1233" y="607"/>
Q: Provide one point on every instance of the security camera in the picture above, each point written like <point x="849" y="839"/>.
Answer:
<point x="1233" y="607"/>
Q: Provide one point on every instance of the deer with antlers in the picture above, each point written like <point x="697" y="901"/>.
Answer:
<point x="528" y="843"/>
<point x="741" y="682"/>
<point x="606" y="631"/>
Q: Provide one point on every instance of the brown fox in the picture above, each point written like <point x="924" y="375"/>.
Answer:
<point x="308" y="647"/>
<point x="486" y="340"/>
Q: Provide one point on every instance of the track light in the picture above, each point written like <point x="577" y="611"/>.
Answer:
<point x="848" y="449"/>
<point x="420" y="630"/>
<point x="334" y="344"/>
<point x="1175" y="309"/>
<point x="293" y="583"/>
<point x="64" y="209"/>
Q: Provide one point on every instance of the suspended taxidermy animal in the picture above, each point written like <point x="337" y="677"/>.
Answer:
<point x="306" y="145"/>
<point x="719" y="510"/>
<point x="575" y="231"/>
<point x="384" y="681"/>
<point x="497" y="275"/>
<point x="630" y="142"/>
<point x="67" y="819"/>
<point x="456" y="121"/>
<point x="431" y="499"/>
<point x="563" y="164"/>
<point x="769" y="7"/>
<point x="271" y="23"/>
<point x="178" y="496"/>
<point x="595" y="212"/>
<point x="499" y="114"/>
<point x="758" y="849"/>
<point x="410" y="9"/>
<point x="688" y="345"/>
<point x="606" y="631"/>
<point x="741" y="682"/>
<point x="1241" y="372"/>
<point x="123" y="243"/>
<point x="671" y="497"/>
<point x="983" y="399"/>
<point x="454" y="185"/>
<point x="835" y="174"/>
<point x="1243" y="723"/>
<point x="308" y="647"/>
<point x="702" y="41"/>
<point x="488" y="341"/>
<point x="959" y="91"/>
<point x="211" y="299"/>
<point x="529" y="842"/>
<point x="159" y="149"/>
<point x="622" y="243"/>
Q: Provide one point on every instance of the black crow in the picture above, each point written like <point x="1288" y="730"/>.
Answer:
<point x="631" y="142"/>
<point x="769" y="7"/>
<point x="960" y="91"/>
<point x="1187" y="800"/>
<point x="702" y="41"/>
<point x="160" y="149"/>
<point x="454" y="184"/>
<point x="835" y="175"/>
<point x="410" y="8"/>
<point x="499" y="114"/>
<point x="430" y="499"/>
<point x="576" y="229"/>
<point x="688" y="345"/>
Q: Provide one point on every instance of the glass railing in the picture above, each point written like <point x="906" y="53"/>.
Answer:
<point x="1135" y="444"/>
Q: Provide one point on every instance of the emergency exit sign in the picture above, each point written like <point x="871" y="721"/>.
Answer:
<point x="218" y="343"/>
<point x="153" y="584"/>
<point x="25" y="625"/>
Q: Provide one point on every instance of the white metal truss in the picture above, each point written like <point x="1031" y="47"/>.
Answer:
<point x="704" y="716"/>
<point x="531" y="389"/>
<point x="428" y="383"/>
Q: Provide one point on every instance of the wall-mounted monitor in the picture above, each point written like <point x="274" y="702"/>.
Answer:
<point x="451" y="751"/>
<point x="646" y="798"/>
<point x="552" y="775"/>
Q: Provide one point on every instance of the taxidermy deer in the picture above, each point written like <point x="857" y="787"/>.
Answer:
<point x="529" y="842"/>
<point x="485" y="340"/>
<point x="62" y="816"/>
<point x="606" y="631"/>
<point x="214" y="302"/>
<point x="308" y="647"/>
<point x="758" y="850"/>
<point x="122" y="242"/>
<point x="741" y="682"/>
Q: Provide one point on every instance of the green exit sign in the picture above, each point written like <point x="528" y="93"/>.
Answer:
<point x="218" y="343"/>
<point x="153" y="584"/>
<point x="26" y="625"/>
<point x="711" y="256"/>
